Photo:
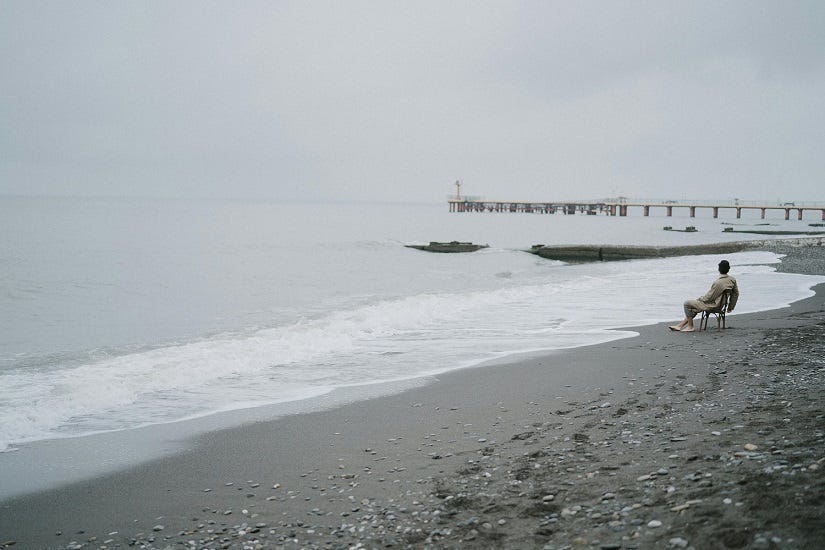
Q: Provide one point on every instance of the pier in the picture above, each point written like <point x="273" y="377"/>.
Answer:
<point x="620" y="206"/>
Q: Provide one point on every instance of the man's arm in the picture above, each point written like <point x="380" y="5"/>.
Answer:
<point x="734" y="296"/>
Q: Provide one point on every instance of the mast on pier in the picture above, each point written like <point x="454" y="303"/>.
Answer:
<point x="458" y="190"/>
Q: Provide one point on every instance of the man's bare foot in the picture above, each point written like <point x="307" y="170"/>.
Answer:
<point x="675" y="328"/>
<point x="688" y="329"/>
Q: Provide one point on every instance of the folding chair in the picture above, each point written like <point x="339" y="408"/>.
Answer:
<point x="719" y="312"/>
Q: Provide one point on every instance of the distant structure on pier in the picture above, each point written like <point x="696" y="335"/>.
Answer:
<point x="619" y="206"/>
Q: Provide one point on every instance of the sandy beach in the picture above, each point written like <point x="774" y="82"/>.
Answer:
<point x="713" y="439"/>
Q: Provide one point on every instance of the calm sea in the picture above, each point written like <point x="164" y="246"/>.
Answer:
<point x="120" y="313"/>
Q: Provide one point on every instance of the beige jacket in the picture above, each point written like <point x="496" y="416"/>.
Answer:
<point x="713" y="298"/>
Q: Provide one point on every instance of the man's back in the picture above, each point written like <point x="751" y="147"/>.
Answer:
<point x="713" y="298"/>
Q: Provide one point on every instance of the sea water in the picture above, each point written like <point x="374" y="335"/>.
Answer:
<point x="122" y="313"/>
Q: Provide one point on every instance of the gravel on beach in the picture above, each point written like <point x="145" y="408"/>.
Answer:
<point x="716" y="441"/>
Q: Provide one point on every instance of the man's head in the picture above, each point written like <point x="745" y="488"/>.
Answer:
<point x="724" y="267"/>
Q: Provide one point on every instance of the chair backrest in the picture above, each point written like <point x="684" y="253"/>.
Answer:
<point x="723" y="305"/>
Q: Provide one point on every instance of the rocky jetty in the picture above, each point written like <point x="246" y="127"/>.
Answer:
<point x="450" y="247"/>
<point x="772" y="232"/>
<point x="607" y="252"/>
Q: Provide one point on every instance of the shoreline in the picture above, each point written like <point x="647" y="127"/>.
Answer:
<point x="104" y="453"/>
<point x="405" y="459"/>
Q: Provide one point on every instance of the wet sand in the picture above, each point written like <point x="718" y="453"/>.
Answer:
<point x="665" y="440"/>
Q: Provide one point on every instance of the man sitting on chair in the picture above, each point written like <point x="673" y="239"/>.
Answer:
<point x="712" y="300"/>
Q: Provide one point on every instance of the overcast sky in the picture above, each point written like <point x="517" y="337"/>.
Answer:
<point x="394" y="101"/>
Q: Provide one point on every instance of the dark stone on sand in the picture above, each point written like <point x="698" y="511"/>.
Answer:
<point x="735" y="538"/>
<point x="540" y="509"/>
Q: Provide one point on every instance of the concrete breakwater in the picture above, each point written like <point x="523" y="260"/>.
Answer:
<point x="772" y="232"/>
<point x="607" y="253"/>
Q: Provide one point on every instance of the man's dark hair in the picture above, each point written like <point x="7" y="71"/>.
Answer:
<point x="724" y="267"/>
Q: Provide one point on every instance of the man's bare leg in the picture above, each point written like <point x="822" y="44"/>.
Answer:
<point x="680" y="325"/>
<point x="689" y="326"/>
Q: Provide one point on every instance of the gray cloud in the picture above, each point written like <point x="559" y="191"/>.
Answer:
<point x="394" y="101"/>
